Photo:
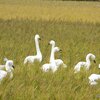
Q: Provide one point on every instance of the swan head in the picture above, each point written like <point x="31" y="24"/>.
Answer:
<point x="57" y="49"/>
<point x="10" y="63"/>
<point x="37" y="37"/>
<point x="91" y="57"/>
<point x="52" y="42"/>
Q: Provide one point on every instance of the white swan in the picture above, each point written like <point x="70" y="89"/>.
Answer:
<point x="3" y="67"/>
<point x="38" y="56"/>
<point x="58" y="62"/>
<point x="93" y="78"/>
<point x="52" y="65"/>
<point x="9" y="67"/>
<point x="86" y="64"/>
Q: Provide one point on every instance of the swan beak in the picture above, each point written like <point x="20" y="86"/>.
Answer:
<point x="13" y="66"/>
<point x="94" y="61"/>
<point x="48" y="43"/>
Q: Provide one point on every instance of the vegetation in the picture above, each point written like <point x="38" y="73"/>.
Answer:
<point x="75" y="34"/>
<point x="50" y="10"/>
<point x="75" y="39"/>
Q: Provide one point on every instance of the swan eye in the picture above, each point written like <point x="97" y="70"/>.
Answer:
<point x="13" y="66"/>
<point x="39" y="38"/>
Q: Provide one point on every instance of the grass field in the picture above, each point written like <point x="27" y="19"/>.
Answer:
<point x="50" y="10"/>
<point x="75" y="37"/>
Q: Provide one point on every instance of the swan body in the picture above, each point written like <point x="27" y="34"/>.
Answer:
<point x="93" y="78"/>
<point x="32" y="59"/>
<point x="86" y="64"/>
<point x="38" y="56"/>
<point x="49" y="66"/>
<point x="59" y="63"/>
<point x="3" y="74"/>
<point x="46" y="67"/>
<point x="9" y="67"/>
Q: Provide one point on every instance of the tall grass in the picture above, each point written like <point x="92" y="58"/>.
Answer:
<point x="50" y="10"/>
<point x="30" y="83"/>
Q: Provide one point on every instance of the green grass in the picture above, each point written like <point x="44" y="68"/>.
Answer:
<point x="30" y="83"/>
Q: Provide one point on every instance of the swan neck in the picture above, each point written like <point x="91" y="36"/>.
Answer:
<point x="52" y="53"/>
<point x="88" y="62"/>
<point x="37" y="47"/>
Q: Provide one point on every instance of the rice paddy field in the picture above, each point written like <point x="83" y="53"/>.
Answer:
<point x="75" y="26"/>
